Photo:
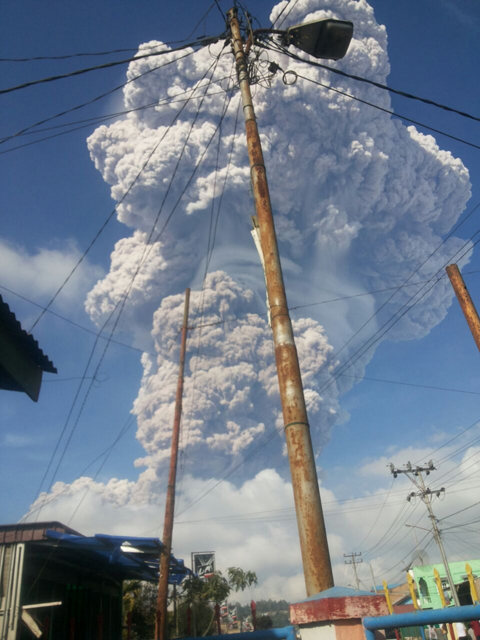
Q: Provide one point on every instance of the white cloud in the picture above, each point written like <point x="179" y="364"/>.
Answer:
<point x="253" y="525"/>
<point x="15" y="440"/>
<point x="39" y="274"/>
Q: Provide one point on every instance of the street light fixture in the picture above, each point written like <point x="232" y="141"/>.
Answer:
<point x="328" y="38"/>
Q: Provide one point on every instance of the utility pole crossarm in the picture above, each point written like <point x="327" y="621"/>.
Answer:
<point x="355" y="559"/>
<point x="426" y="494"/>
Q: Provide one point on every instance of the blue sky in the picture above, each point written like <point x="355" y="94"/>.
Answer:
<point x="54" y="200"/>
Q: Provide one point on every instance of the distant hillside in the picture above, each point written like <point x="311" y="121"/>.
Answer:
<point x="276" y="609"/>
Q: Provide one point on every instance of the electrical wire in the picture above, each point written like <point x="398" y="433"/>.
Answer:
<point x="147" y="249"/>
<point x="455" y="513"/>
<point x="198" y="43"/>
<point x="122" y="432"/>
<point x="403" y="559"/>
<point x="76" y="324"/>
<point x="112" y="51"/>
<point x="122" y="199"/>
<point x="268" y="516"/>
<point x="448" y="441"/>
<point x="463" y="471"/>
<point x="396" y="317"/>
<point x="272" y="26"/>
<point x="122" y="300"/>
<point x="210" y="248"/>
<point x="394" y="114"/>
<point x="94" y="120"/>
<point x="77" y="107"/>
<point x="390" y="533"/>
<point x="219" y="9"/>
<point x="237" y="466"/>
<point x="462" y="448"/>
<point x="411" y="384"/>
<point x="145" y="254"/>
<point x="377" y="518"/>
<point x="379" y="85"/>
<point x="246" y="316"/>
<point x="99" y="120"/>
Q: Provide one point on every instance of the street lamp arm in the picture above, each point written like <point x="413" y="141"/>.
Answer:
<point x="414" y="526"/>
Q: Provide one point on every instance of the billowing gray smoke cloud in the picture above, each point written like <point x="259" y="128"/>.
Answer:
<point x="360" y="201"/>
<point x="231" y="391"/>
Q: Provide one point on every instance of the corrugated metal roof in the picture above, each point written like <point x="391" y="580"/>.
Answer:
<point x="28" y="531"/>
<point x="126" y="557"/>
<point x="24" y="340"/>
<point x="132" y="557"/>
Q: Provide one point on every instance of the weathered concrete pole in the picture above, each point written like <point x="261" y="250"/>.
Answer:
<point x="313" y="537"/>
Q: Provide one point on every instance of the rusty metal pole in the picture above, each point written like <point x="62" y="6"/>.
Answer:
<point x="161" y="620"/>
<point x="468" y="308"/>
<point x="313" y="537"/>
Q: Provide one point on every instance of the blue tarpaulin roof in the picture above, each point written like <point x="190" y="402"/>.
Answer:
<point x="132" y="557"/>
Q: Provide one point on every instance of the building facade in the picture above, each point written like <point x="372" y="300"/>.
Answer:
<point x="427" y="588"/>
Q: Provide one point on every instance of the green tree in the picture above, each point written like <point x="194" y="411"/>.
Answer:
<point x="214" y="590"/>
<point x="140" y="600"/>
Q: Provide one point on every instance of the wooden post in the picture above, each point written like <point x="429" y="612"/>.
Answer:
<point x="217" y="617"/>
<point x="161" y="626"/>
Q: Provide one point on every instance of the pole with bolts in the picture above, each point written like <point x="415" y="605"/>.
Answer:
<point x="426" y="495"/>
<point x="313" y="537"/>
<point x="161" y="622"/>
<point x="355" y="559"/>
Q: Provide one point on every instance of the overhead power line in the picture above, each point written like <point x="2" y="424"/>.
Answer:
<point x="379" y="85"/>
<point x="121" y="302"/>
<point x="272" y="26"/>
<point x="112" y="51"/>
<point x="445" y="444"/>
<point x="203" y="42"/>
<point x="411" y="384"/>
<point x="397" y="316"/>
<point x="91" y="101"/>
<point x="475" y="504"/>
<point x="246" y="316"/>
<point x="94" y="121"/>
<point x="394" y="114"/>
<point x="112" y="213"/>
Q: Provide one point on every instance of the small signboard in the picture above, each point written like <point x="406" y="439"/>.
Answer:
<point x="203" y="563"/>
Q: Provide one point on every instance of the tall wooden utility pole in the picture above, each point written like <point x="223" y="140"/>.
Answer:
<point x="468" y="308"/>
<point x="317" y="566"/>
<point x="161" y="622"/>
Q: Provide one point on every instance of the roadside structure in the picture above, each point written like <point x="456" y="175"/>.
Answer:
<point x="22" y="362"/>
<point x="56" y="583"/>
<point x="427" y="589"/>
